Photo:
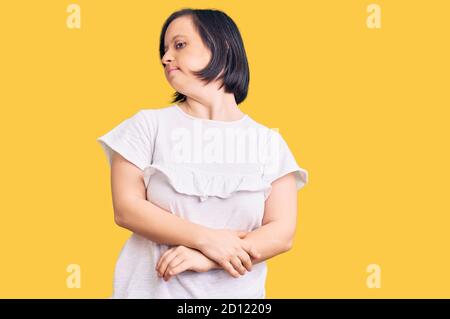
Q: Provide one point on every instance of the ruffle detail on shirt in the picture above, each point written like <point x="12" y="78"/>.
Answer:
<point x="301" y="179"/>
<point x="204" y="184"/>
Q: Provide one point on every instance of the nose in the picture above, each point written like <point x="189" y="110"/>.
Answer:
<point x="166" y="59"/>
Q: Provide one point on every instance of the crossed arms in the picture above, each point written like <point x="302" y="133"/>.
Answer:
<point x="197" y="247"/>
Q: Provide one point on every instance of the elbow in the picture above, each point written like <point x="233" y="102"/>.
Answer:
<point x="119" y="219"/>
<point x="288" y="245"/>
<point x="283" y="246"/>
<point x="122" y="214"/>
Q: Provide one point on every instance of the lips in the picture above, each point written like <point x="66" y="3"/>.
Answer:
<point x="171" y="69"/>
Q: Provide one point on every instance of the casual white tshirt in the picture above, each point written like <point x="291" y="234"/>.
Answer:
<point x="214" y="173"/>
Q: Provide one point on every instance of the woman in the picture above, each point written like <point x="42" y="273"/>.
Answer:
<point x="208" y="192"/>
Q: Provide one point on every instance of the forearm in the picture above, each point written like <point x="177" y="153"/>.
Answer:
<point x="269" y="240"/>
<point x="160" y="226"/>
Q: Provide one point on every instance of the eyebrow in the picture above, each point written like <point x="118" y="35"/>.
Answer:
<point x="174" y="37"/>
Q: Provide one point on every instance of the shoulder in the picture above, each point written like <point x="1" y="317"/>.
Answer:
<point x="155" y="113"/>
<point x="152" y="116"/>
<point x="265" y="132"/>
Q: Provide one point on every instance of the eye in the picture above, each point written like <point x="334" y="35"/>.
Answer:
<point x="176" y="45"/>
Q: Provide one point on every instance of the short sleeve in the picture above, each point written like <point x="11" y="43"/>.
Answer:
<point x="280" y="161"/>
<point x="133" y="139"/>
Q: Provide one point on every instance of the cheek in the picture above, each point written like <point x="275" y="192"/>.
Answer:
<point x="195" y="61"/>
<point x="189" y="62"/>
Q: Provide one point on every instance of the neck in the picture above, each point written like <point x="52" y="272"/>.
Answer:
<point x="224" y="109"/>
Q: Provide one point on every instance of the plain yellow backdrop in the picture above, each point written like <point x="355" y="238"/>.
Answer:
<point x="365" y="111"/>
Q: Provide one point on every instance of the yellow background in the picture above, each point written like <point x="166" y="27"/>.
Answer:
<point x="365" y="111"/>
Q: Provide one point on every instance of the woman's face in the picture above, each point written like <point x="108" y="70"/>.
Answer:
<point x="185" y="51"/>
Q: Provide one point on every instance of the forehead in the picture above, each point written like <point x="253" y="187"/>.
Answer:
<point x="181" y="26"/>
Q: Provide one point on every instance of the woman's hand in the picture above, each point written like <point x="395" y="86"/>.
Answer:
<point x="228" y="249"/>
<point x="180" y="258"/>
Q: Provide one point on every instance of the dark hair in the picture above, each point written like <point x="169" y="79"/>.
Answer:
<point x="221" y="35"/>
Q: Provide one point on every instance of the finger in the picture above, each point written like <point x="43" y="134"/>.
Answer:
<point x="236" y="262"/>
<point x="174" y="262"/>
<point x="183" y="266"/>
<point x="165" y="263"/>
<point x="246" y="261"/>
<point x="250" y="250"/>
<point x="168" y="251"/>
<point x="255" y="253"/>
<point x="242" y="234"/>
<point x="229" y="268"/>
<point x="162" y="258"/>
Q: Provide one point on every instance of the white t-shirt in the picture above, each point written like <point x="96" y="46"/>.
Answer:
<point x="214" y="173"/>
